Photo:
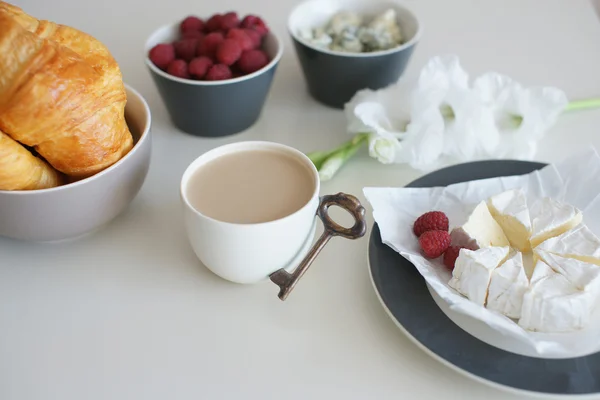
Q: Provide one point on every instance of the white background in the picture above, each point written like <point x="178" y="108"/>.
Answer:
<point x="129" y="313"/>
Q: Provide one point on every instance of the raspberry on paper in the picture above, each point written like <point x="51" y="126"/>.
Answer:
<point x="434" y="243"/>
<point x="450" y="256"/>
<point x="431" y="221"/>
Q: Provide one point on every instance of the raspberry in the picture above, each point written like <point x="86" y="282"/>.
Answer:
<point x="162" y="55"/>
<point x="185" y="48"/>
<point x="208" y="45"/>
<point x="434" y="243"/>
<point x="228" y="52"/>
<point x="252" y="60"/>
<point x="191" y="23"/>
<point x="213" y="23"/>
<point x="430" y="221"/>
<point x="218" y="72"/>
<point x="199" y="66"/>
<point x="245" y="42"/>
<point x="256" y="23"/>
<point x="178" y="68"/>
<point x="255" y="36"/>
<point x="451" y="255"/>
<point x="192" y="35"/>
<point x="229" y="20"/>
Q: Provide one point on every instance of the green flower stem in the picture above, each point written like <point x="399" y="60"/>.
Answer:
<point x="328" y="163"/>
<point x="583" y="104"/>
<point x="319" y="157"/>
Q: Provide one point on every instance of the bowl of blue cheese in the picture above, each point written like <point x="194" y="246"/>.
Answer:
<point x="344" y="46"/>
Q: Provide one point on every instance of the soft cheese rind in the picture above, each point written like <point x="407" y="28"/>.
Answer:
<point x="579" y="243"/>
<point x="480" y="230"/>
<point x="553" y="304"/>
<point x="584" y="276"/>
<point x="473" y="270"/>
<point x="508" y="284"/>
<point x="510" y="210"/>
<point x="552" y="218"/>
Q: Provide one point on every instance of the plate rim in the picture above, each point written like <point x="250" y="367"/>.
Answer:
<point x="500" y="386"/>
<point x="463" y="372"/>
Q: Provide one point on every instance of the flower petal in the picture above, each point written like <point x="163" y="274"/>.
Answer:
<point x="394" y="100"/>
<point x="423" y="143"/>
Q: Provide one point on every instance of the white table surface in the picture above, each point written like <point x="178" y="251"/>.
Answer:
<point x="129" y="313"/>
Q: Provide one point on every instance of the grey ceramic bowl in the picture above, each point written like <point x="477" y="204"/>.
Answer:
<point x="213" y="108"/>
<point x="69" y="211"/>
<point x="333" y="77"/>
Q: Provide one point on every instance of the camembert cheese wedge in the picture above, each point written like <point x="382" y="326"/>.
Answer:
<point x="508" y="285"/>
<point x="510" y="210"/>
<point x="553" y="304"/>
<point x="579" y="243"/>
<point x="473" y="271"/>
<point x="481" y="230"/>
<point x="551" y="218"/>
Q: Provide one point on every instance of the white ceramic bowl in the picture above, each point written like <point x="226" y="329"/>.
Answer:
<point x="78" y="208"/>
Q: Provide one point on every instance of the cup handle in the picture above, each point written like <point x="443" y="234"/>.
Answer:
<point x="287" y="281"/>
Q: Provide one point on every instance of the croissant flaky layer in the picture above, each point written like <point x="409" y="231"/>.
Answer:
<point x="61" y="93"/>
<point x="21" y="170"/>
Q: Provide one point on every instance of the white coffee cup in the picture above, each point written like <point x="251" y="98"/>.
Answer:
<point x="249" y="253"/>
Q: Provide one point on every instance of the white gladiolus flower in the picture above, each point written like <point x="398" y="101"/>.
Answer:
<point x="443" y="119"/>
<point x="443" y="96"/>
<point x="522" y="115"/>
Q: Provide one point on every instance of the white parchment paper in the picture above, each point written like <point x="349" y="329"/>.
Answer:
<point x="575" y="180"/>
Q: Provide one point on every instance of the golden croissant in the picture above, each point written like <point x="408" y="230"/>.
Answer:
<point x="62" y="95"/>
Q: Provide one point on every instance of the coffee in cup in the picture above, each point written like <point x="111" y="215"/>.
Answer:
<point x="250" y="211"/>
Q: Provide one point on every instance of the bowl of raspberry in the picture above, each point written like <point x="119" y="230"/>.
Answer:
<point x="344" y="46"/>
<point x="214" y="74"/>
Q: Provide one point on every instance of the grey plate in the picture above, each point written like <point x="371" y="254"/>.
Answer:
<point x="403" y="291"/>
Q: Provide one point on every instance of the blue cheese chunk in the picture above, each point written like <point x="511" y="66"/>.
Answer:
<point x="348" y="41"/>
<point x="347" y="32"/>
<point x="343" y="20"/>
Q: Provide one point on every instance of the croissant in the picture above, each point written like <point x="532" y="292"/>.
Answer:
<point x="21" y="170"/>
<point x="61" y="94"/>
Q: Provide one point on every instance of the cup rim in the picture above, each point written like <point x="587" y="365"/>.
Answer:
<point x="162" y="73"/>
<point x="232" y="147"/>
<point x="143" y="137"/>
<point x="414" y="40"/>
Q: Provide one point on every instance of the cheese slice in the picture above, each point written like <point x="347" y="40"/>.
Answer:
<point x="584" y="276"/>
<point x="480" y="230"/>
<point x="579" y="243"/>
<point x="510" y="210"/>
<point x="508" y="284"/>
<point x="473" y="270"/>
<point x="551" y="218"/>
<point x="553" y="304"/>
